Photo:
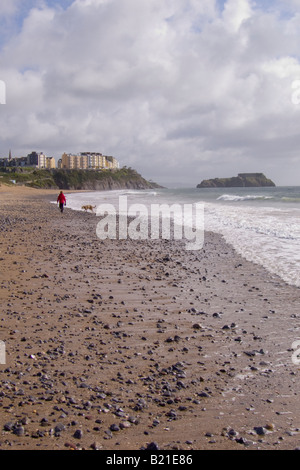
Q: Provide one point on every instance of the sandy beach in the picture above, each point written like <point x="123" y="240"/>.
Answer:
<point x="118" y="344"/>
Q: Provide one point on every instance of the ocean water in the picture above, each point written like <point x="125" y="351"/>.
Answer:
<point x="262" y="224"/>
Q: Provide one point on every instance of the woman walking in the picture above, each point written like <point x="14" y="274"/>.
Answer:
<point x="61" y="200"/>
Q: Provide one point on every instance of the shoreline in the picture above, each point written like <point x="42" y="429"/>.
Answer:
<point x="113" y="345"/>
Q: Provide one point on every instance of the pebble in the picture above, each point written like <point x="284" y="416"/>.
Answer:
<point x="242" y="440"/>
<point x="260" y="430"/>
<point x="19" y="431"/>
<point x="153" y="446"/>
<point x="125" y="425"/>
<point x="78" y="434"/>
<point x="203" y="394"/>
<point x="59" y="428"/>
<point x="114" y="428"/>
<point x="8" y="426"/>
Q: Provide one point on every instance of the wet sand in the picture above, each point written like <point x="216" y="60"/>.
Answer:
<point x="114" y="345"/>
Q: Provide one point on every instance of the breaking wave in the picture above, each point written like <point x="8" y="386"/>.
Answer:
<point x="235" y="197"/>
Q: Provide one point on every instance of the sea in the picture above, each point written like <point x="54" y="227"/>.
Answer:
<point x="262" y="224"/>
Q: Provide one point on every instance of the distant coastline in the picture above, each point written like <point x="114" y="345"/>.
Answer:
<point x="246" y="180"/>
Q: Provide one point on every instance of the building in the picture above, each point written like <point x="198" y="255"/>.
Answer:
<point x="16" y="162"/>
<point x="87" y="161"/>
<point x="95" y="160"/>
<point x="112" y="162"/>
<point x="13" y="162"/>
<point x="33" y="159"/>
<point x="41" y="160"/>
<point x="50" y="163"/>
<point x="74" y="162"/>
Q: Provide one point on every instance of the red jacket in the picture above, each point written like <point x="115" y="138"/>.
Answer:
<point x="61" y="198"/>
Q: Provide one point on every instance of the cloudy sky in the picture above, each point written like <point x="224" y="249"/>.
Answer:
<point x="180" y="90"/>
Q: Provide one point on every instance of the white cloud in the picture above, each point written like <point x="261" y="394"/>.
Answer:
<point x="178" y="89"/>
<point x="235" y="13"/>
<point x="8" y="8"/>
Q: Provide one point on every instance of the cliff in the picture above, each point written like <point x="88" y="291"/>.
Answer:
<point x="246" y="180"/>
<point x="124" y="178"/>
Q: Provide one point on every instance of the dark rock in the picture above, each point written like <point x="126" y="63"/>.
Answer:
<point x="78" y="434"/>
<point x="8" y="426"/>
<point x="59" y="428"/>
<point x="152" y="446"/>
<point x="203" y="394"/>
<point x="114" y="428"/>
<point x="19" y="431"/>
<point x="261" y="431"/>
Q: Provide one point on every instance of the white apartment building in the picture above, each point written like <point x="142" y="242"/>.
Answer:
<point x="41" y="160"/>
<point x="45" y="162"/>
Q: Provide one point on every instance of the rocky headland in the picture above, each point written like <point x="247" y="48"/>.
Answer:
<point x="76" y="179"/>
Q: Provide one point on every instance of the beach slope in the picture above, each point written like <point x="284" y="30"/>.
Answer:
<point x="117" y="344"/>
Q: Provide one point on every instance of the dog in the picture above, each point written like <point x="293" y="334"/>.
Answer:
<point x="88" y="208"/>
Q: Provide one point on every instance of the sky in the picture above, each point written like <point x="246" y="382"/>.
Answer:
<point x="180" y="90"/>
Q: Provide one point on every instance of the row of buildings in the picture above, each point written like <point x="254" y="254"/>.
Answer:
<point x="81" y="161"/>
<point x="33" y="159"/>
<point x="86" y="161"/>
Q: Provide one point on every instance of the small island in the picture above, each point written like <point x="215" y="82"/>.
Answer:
<point x="243" y="180"/>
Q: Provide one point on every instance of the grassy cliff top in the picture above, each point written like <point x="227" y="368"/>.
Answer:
<point x="75" y="179"/>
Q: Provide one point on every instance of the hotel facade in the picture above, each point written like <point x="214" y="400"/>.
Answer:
<point x="68" y="161"/>
<point x="87" y="161"/>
